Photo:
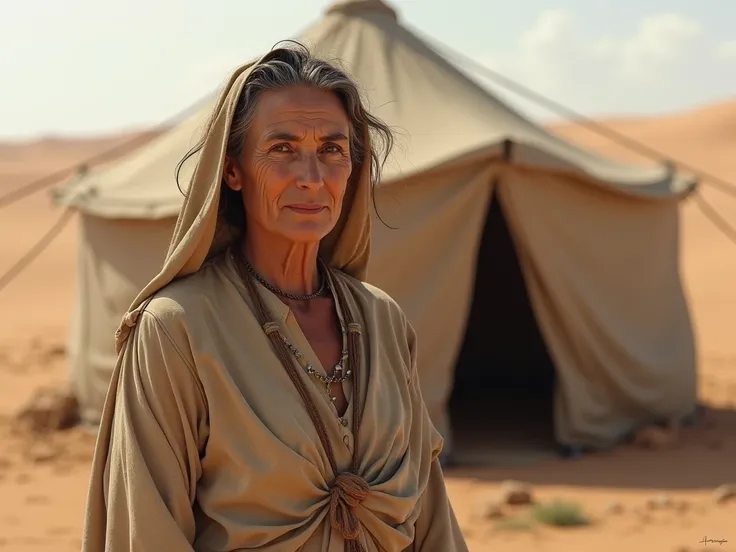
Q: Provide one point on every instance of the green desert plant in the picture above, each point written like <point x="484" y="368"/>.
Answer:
<point x="560" y="514"/>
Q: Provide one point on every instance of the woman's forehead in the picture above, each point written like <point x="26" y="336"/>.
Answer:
<point x="301" y="107"/>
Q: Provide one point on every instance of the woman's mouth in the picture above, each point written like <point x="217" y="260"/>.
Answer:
<point x="306" y="209"/>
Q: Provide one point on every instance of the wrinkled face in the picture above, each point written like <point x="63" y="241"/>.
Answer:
<point x="295" y="165"/>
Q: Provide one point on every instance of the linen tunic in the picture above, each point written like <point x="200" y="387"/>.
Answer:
<point x="212" y="448"/>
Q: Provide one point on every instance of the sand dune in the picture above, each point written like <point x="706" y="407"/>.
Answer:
<point x="53" y="153"/>
<point x="702" y="137"/>
<point x="44" y="482"/>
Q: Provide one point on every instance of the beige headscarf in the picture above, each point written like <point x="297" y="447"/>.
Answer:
<point x="200" y="232"/>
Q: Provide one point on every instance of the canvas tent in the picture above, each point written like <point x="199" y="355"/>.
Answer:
<point x="596" y="242"/>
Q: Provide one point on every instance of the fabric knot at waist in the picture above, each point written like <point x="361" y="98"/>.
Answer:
<point x="348" y="491"/>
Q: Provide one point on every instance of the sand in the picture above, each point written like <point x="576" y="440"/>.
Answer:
<point x="43" y="481"/>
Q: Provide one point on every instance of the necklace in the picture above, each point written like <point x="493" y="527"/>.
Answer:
<point x="324" y="285"/>
<point x="340" y="372"/>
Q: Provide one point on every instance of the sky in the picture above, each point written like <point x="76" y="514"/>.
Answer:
<point x="90" y="67"/>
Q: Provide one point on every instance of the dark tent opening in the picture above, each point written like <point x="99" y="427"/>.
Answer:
<point x="501" y="406"/>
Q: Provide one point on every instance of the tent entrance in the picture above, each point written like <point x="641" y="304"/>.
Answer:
<point x="501" y="407"/>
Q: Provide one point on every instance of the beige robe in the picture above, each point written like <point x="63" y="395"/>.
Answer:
<point x="213" y="450"/>
<point x="204" y="442"/>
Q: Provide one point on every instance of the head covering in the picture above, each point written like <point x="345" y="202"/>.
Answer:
<point x="199" y="232"/>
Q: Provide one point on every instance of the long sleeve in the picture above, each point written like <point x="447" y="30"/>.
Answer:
<point x="436" y="528"/>
<point x="146" y="463"/>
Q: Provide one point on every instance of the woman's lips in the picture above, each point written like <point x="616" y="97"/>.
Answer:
<point x="306" y="209"/>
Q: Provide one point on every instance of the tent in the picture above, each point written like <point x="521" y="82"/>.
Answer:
<point x="515" y="254"/>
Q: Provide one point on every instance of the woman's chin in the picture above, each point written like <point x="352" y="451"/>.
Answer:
<point x="306" y="232"/>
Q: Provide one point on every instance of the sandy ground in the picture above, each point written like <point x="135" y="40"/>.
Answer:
<point x="43" y="482"/>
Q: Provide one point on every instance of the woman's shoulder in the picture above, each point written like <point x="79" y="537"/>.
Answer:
<point x="186" y="296"/>
<point x="375" y="299"/>
<point x="175" y="314"/>
<point x="366" y="290"/>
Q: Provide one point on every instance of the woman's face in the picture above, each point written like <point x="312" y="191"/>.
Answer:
<point x="295" y="165"/>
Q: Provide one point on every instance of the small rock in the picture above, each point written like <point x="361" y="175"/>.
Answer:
<point x="683" y="549"/>
<point x="516" y="493"/>
<point x="683" y="507"/>
<point x="55" y="350"/>
<point x="659" y="502"/>
<point x="42" y="452"/>
<point x="655" y="437"/>
<point x="49" y="410"/>
<point x="614" y="509"/>
<point x="724" y="493"/>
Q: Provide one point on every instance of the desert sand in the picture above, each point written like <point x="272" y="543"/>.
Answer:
<point x="639" y="500"/>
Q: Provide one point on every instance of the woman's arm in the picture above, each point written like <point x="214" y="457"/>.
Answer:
<point x="436" y="528"/>
<point x="147" y="460"/>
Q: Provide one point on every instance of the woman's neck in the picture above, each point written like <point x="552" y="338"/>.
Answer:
<point x="288" y="266"/>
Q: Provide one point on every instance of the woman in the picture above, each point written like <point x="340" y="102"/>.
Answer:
<point x="264" y="397"/>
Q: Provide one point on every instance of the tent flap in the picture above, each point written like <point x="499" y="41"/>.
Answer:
<point x="603" y="277"/>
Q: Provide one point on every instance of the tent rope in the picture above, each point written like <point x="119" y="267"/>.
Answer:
<point x="607" y="132"/>
<point x="573" y="116"/>
<point x="28" y="189"/>
<point x="38" y="248"/>
<point x="714" y="217"/>
<point x="32" y="187"/>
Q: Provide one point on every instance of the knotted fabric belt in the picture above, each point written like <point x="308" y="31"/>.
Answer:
<point x="348" y="491"/>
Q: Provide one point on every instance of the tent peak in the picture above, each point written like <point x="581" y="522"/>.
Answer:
<point x="358" y="7"/>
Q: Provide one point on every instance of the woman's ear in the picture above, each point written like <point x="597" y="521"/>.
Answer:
<point x="232" y="175"/>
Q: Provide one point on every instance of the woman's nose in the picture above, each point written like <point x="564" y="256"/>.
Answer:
<point x="311" y="171"/>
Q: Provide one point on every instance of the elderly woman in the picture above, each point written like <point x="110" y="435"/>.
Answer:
<point x="265" y="398"/>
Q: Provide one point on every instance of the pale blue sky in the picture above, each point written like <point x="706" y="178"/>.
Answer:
<point x="94" y="66"/>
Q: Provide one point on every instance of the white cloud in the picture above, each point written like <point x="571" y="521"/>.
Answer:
<point x="549" y="41"/>
<point x="660" y="42"/>
<point x="667" y="62"/>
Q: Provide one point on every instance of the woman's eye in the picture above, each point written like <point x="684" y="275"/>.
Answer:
<point x="281" y="148"/>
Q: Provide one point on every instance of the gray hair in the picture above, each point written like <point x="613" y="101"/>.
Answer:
<point x="295" y="66"/>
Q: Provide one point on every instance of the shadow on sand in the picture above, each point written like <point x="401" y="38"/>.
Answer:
<point x="703" y="457"/>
